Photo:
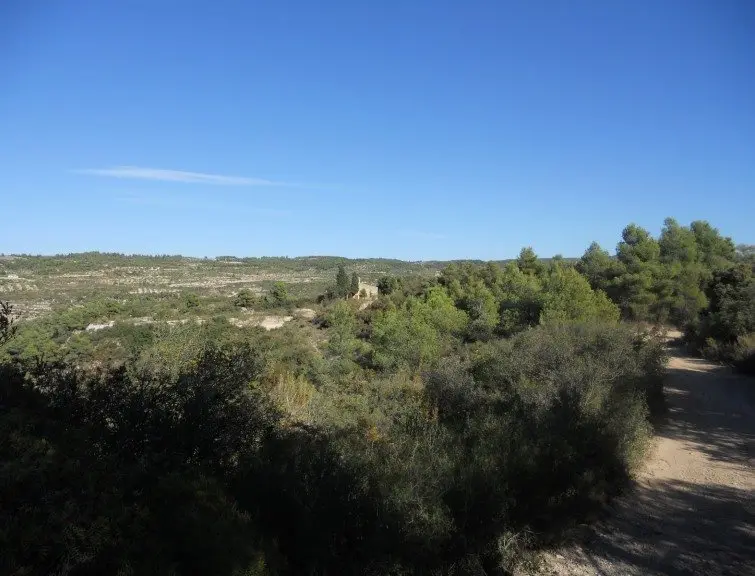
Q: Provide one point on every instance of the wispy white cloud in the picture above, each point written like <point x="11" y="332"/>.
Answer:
<point x="162" y="175"/>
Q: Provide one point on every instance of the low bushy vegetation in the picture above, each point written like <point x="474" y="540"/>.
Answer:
<point x="725" y="330"/>
<point x="454" y="425"/>
<point x="201" y="470"/>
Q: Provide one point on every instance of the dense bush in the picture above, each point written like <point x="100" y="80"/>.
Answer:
<point x="417" y="334"/>
<point x="725" y="330"/>
<point x="184" y="462"/>
<point x="114" y="474"/>
<point x="244" y="299"/>
<point x="97" y="468"/>
<point x="527" y="437"/>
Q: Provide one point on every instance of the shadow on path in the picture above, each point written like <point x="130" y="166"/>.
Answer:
<point x="677" y="528"/>
<point x="711" y="408"/>
<point x="692" y="510"/>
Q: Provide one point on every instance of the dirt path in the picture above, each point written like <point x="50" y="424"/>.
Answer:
<point x="692" y="511"/>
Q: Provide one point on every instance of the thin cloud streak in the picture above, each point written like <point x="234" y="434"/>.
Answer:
<point x="162" y="175"/>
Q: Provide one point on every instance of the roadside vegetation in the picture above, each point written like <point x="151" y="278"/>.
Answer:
<point x="455" y="424"/>
<point x="690" y="277"/>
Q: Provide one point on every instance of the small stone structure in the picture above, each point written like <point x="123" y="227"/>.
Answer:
<point x="370" y="289"/>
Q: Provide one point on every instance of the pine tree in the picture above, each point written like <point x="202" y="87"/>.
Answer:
<point x="354" y="288"/>
<point x="342" y="282"/>
<point x="528" y="262"/>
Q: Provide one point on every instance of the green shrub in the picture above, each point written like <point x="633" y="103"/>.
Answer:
<point x="530" y="437"/>
<point x="108" y="475"/>
<point x="724" y="330"/>
<point x="147" y="474"/>
<point x="244" y="299"/>
<point x="567" y="296"/>
<point x="342" y="329"/>
<point x="278" y="294"/>
<point x="416" y="335"/>
<point x="560" y="415"/>
<point x="229" y="451"/>
<point x="191" y="301"/>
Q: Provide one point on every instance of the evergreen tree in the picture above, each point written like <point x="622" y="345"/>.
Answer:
<point x="567" y="296"/>
<point x="528" y="262"/>
<point x="680" y="281"/>
<point x="731" y="313"/>
<point x="639" y="253"/>
<point x="600" y="269"/>
<point x="278" y="295"/>
<point x="715" y="251"/>
<point x="342" y="282"/>
<point x="354" y="288"/>
<point x="388" y="284"/>
<point x="677" y="243"/>
<point x="7" y="329"/>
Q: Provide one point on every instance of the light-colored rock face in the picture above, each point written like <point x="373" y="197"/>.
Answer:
<point x="95" y="327"/>
<point x="272" y="322"/>
<point x="267" y="322"/>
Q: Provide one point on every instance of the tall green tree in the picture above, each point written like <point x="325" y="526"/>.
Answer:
<point x="637" y="247"/>
<point x="482" y="308"/>
<point x="416" y="335"/>
<point x="342" y="282"/>
<point x="731" y="313"/>
<point x="639" y="253"/>
<point x="7" y="328"/>
<point x="520" y="300"/>
<point x="677" y="243"/>
<point x="528" y="262"/>
<point x="387" y="285"/>
<point x="679" y="285"/>
<point x="354" y="285"/>
<point x="567" y="296"/>
<point x="600" y="269"/>
<point x="715" y="251"/>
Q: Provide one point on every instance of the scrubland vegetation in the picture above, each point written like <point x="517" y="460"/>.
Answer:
<point x="455" y="425"/>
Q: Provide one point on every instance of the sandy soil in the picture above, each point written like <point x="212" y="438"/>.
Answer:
<point x="692" y="510"/>
<point x="306" y="313"/>
<point x="273" y="322"/>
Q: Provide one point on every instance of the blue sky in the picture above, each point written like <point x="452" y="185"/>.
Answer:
<point x="418" y="130"/>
